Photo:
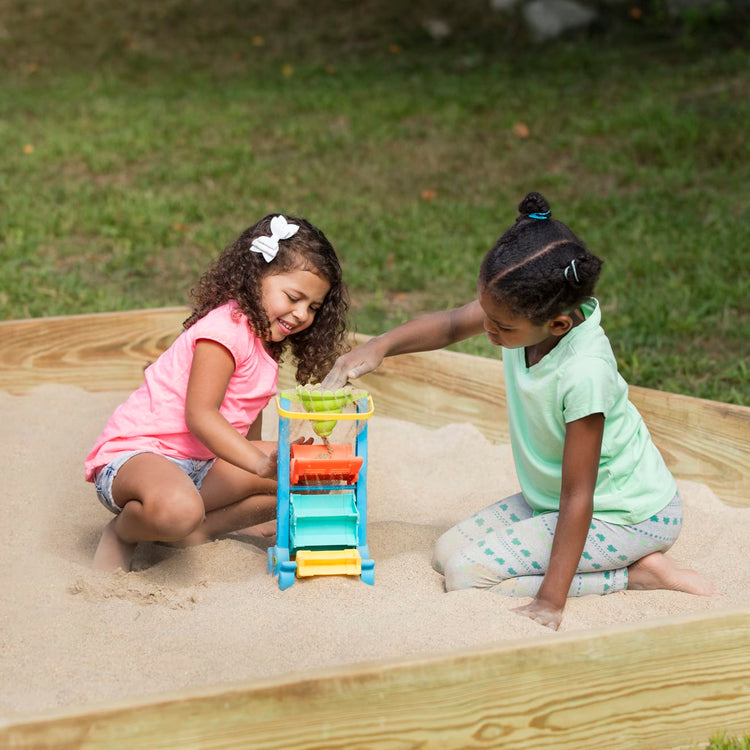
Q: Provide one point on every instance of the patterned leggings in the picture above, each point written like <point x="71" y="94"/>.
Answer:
<point x="506" y="548"/>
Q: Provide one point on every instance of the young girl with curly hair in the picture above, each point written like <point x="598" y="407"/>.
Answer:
<point x="181" y="459"/>
<point x="598" y="507"/>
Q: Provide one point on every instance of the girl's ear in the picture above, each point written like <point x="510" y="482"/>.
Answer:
<point x="560" y="325"/>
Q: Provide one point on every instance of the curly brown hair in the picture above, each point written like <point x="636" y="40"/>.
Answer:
<point x="237" y="275"/>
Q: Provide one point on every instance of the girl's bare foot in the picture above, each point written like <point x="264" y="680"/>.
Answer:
<point x="111" y="552"/>
<point x="658" y="571"/>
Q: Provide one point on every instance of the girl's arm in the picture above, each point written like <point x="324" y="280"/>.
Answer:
<point x="580" y="465"/>
<point x="255" y="431"/>
<point x="210" y="372"/>
<point x="425" y="333"/>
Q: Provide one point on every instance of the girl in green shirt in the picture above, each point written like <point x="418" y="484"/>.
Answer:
<point x="598" y="507"/>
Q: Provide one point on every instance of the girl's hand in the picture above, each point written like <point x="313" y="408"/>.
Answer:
<point x="542" y="612"/>
<point x="425" y="333"/>
<point x="268" y="465"/>
<point x="352" y="365"/>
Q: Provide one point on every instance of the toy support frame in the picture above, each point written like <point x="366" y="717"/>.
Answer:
<point x="343" y="553"/>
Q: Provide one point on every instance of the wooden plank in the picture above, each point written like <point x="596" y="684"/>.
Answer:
<point x="701" y="440"/>
<point x="439" y="388"/>
<point x="656" y="686"/>
<point x="103" y="352"/>
<point x="109" y="351"/>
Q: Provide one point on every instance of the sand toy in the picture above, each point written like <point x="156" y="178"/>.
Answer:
<point x="321" y="502"/>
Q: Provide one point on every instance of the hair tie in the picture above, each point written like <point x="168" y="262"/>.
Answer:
<point x="571" y="265"/>
<point x="268" y="245"/>
<point x="539" y="215"/>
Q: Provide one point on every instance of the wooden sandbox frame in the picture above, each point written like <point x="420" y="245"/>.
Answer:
<point x="663" y="684"/>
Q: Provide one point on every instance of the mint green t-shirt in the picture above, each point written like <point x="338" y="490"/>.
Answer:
<point x="577" y="378"/>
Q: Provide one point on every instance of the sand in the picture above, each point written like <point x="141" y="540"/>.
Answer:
<point x="71" y="636"/>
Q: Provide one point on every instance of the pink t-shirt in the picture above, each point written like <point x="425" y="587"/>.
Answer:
<point x="153" y="417"/>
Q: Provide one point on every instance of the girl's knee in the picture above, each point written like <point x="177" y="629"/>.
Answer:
<point x="438" y="556"/>
<point x="445" y="547"/>
<point x="177" y="516"/>
<point x="462" y="574"/>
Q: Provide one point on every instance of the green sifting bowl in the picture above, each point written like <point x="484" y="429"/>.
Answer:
<point x="324" y="402"/>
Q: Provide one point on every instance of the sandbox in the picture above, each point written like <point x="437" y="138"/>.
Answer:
<point x="670" y="682"/>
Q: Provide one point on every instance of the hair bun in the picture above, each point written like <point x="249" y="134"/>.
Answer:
<point x="533" y="203"/>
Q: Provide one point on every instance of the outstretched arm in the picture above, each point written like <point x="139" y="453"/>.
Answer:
<point x="425" y="333"/>
<point x="580" y="465"/>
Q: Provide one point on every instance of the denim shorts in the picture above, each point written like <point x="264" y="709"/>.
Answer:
<point x="196" y="469"/>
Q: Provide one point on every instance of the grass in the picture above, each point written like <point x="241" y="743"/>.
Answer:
<point x="721" y="741"/>
<point x="138" y="139"/>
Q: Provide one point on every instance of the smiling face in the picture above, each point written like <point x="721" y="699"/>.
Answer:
<point x="291" y="300"/>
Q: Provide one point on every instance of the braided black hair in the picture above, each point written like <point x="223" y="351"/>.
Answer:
<point x="539" y="269"/>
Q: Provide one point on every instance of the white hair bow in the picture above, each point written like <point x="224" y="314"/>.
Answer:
<point x="269" y="245"/>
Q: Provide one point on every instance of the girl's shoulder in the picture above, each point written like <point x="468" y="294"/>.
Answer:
<point x="229" y="326"/>
<point x="227" y="315"/>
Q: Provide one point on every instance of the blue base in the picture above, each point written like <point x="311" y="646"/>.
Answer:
<point x="368" y="572"/>
<point x="287" y="574"/>
<point x="286" y="569"/>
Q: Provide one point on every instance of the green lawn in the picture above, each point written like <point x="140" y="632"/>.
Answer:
<point x="138" y="139"/>
<point x="724" y="742"/>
